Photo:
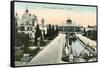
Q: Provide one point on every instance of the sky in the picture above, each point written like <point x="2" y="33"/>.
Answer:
<point x="58" y="14"/>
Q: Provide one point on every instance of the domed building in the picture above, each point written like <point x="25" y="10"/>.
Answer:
<point x="69" y="27"/>
<point x="27" y="23"/>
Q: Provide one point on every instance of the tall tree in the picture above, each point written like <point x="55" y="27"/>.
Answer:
<point x="89" y="33"/>
<point x="49" y="30"/>
<point x="57" y="30"/>
<point x="84" y="32"/>
<point x="37" y="34"/>
<point x="52" y="30"/>
<point x="26" y="41"/>
<point x="94" y="35"/>
<point x="38" y="31"/>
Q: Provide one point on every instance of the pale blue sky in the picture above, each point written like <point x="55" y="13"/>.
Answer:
<point x="57" y="14"/>
<point x="24" y="5"/>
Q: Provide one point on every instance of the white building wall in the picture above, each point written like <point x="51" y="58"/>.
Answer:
<point x="26" y="22"/>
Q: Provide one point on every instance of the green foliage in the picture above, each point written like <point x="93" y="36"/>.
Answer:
<point x="56" y="31"/>
<point x="51" y="32"/>
<point x="92" y="34"/>
<point x="84" y="32"/>
<point x="37" y="34"/>
<point x="23" y="39"/>
<point x="18" y="56"/>
<point x="89" y="33"/>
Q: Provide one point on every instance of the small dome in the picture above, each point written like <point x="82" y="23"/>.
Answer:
<point x="68" y="20"/>
<point x="29" y="14"/>
<point x="26" y="10"/>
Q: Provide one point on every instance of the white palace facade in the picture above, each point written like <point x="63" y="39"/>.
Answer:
<point x="27" y="23"/>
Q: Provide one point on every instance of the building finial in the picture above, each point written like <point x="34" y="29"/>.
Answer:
<point x="26" y="8"/>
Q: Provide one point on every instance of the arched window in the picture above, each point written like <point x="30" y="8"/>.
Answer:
<point x="27" y="28"/>
<point x="22" y="28"/>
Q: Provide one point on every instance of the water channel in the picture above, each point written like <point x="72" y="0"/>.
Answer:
<point x="75" y="51"/>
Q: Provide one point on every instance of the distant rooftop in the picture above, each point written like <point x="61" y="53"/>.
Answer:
<point x="69" y="22"/>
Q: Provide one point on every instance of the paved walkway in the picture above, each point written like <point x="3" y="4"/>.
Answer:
<point x="52" y="53"/>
